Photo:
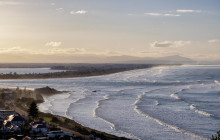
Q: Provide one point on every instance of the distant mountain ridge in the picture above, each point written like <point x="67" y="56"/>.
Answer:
<point x="175" y="59"/>
<point x="39" y="58"/>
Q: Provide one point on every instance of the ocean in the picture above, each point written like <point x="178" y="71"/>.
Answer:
<point x="160" y="103"/>
<point x="27" y="70"/>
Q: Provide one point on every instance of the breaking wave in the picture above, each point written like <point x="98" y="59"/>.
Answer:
<point x="112" y="126"/>
<point x="174" y="95"/>
<point x="175" y="128"/>
<point x="193" y="107"/>
<point x="217" y="82"/>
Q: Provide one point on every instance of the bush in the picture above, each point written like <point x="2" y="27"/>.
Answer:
<point x="54" y="119"/>
<point x="216" y="137"/>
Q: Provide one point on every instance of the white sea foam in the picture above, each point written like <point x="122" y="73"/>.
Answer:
<point x="157" y="103"/>
<point x="174" y="95"/>
<point x="203" y="113"/>
<point x="45" y="107"/>
<point x="193" y="107"/>
<point x="139" y="98"/>
<point x="175" y="128"/>
<point x="77" y="100"/>
<point x="106" y="97"/>
<point x="217" y="82"/>
<point x="130" y="135"/>
<point x="112" y="126"/>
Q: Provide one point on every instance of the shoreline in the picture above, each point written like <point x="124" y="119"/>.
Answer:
<point x="83" y="76"/>
<point x="64" y="123"/>
<point x="77" y="73"/>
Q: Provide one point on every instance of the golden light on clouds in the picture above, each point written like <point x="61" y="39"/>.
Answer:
<point x="73" y="28"/>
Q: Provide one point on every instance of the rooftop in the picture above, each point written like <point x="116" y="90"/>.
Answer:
<point x="39" y="126"/>
<point x="15" y="118"/>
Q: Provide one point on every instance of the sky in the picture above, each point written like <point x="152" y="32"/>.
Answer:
<point x="60" y="30"/>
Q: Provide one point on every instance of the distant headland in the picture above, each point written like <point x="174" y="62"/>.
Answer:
<point x="71" y="70"/>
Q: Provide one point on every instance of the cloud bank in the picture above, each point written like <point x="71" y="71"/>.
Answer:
<point x="160" y="14"/>
<point x="13" y="50"/>
<point x="169" y="44"/>
<point x="2" y="3"/>
<point x="214" y="41"/>
<point x="80" y="12"/>
<point x="67" y="51"/>
<point x="188" y="11"/>
<point x="53" y="44"/>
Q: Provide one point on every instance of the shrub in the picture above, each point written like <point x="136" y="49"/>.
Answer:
<point x="216" y="137"/>
<point x="54" y="119"/>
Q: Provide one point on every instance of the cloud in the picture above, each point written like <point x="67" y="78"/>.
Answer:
<point x="161" y="14"/>
<point x="68" y="51"/>
<point x="59" y="9"/>
<point x="153" y="14"/>
<point x="130" y="14"/>
<point x="80" y="12"/>
<point x="214" y="41"/>
<point x="2" y="3"/>
<point x="52" y="4"/>
<point x="188" y="11"/>
<point x="170" y="43"/>
<point x="53" y="44"/>
<point x="172" y="15"/>
<point x="16" y="49"/>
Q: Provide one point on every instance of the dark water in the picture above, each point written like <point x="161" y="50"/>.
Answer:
<point x="159" y="103"/>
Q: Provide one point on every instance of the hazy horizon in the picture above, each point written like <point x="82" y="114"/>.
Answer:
<point x="92" y="31"/>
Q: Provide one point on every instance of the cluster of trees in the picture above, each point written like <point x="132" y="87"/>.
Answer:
<point x="78" y="71"/>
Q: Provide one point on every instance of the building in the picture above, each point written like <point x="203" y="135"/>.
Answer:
<point x="40" y="128"/>
<point x="5" y="113"/>
<point x="15" y="128"/>
<point x="15" y="119"/>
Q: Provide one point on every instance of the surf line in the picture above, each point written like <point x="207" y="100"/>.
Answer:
<point x="67" y="113"/>
<point x="113" y="126"/>
<point x="175" y="128"/>
<point x="193" y="107"/>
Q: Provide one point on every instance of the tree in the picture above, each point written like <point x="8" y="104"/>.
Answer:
<point x="33" y="110"/>
<point x="216" y="137"/>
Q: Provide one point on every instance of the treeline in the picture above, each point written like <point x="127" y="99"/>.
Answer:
<point x="78" y="70"/>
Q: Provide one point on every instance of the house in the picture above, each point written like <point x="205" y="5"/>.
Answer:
<point x="37" y="122"/>
<point x="15" y="119"/>
<point x="40" y="128"/>
<point x="5" y="113"/>
<point x="15" y="128"/>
